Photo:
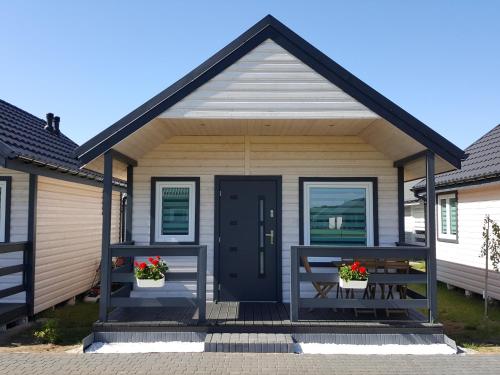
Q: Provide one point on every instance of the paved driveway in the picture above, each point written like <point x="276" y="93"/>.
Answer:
<point x="220" y="363"/>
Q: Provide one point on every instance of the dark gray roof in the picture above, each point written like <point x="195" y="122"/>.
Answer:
<point x="22" y="136"/>
<point x="481" y="165"/>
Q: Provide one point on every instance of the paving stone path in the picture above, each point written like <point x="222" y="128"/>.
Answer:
<point x="225" y="363"/>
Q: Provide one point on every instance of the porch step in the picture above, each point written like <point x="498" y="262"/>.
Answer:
<point x="249" y="343"/>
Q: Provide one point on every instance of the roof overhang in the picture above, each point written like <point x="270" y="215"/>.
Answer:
<point x="270" y="28"/>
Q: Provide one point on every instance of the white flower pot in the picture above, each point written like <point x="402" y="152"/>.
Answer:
<point x="353" y="284"/>
<point x="150" y="283"/>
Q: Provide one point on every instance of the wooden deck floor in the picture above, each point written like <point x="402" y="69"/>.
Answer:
<point x="253" y="317"/>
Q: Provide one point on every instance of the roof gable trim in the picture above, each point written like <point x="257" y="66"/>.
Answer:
<point x="270" y="28"/>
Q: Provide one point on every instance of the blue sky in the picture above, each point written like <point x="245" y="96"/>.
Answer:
<point x="95" y="61"/>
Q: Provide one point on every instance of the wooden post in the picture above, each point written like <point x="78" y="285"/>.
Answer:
<point x="130" y="203"/>
<point x="401" y="204"/>
<point x="30" y="250"/>
<point x="295" y="285"/>
<point x="106" y="237"/>
<point x="201" y="283"/>
<point x="430" y="220"/>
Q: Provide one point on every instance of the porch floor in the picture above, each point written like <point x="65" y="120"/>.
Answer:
<point x="262" y="317"/>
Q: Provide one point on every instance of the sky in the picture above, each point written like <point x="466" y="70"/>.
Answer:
<point x="92" y="62"/>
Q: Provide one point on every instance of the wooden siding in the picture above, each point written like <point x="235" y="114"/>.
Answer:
<point x="18" y="230"/>
<point x="290" y="157"/>
<point x="461" y="264"/>
<point x="415" y="223"/>
<point x="268" y="82"/>
<point x="68" y="239"/>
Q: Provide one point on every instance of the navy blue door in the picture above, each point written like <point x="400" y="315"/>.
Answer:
<point x="248" y="238"/>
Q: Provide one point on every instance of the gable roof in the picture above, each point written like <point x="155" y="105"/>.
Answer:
<point x="270" y="28"/>
<point x="482" y="163"/>
<point x="22" y="136"/>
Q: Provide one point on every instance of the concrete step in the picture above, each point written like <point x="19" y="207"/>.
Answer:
<point x="249" y="343"/>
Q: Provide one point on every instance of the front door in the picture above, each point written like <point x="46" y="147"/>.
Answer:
<point x="248" y="238"/>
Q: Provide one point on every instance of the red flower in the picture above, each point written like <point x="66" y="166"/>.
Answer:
<point x="155" y="262"/>
<point x="150" y="259"/>
<point x="354" y="267"/>
<point x="362" y="269"/>
<point x="142" y="266"/>
<point x="357" y="263"/>
<point x="136" y="264"/>
<point x="158" y="257"/>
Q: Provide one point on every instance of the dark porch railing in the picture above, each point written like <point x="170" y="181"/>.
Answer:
<point x="124" y="274"/>
<point x="27" y="283"/>
<point x="347" y="254"/>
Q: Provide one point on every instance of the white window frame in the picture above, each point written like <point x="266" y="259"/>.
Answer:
<point x="3" y="203"/>
<point x="447" y="235"/>
<point x="191" y="236"/>
<point x="367" y="185"/>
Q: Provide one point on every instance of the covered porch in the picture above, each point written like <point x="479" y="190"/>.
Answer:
<point x="249" y="135"/>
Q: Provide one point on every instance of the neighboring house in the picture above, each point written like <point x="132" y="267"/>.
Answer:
<point x="267" y="145"/>
<point x="464" y="198"/>
<point x="50" y="216"/>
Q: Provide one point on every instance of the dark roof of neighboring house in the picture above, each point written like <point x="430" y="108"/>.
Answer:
<point x="23" y="137"/>
<point x="481" y="165"/>
<point x="270" y="28"/>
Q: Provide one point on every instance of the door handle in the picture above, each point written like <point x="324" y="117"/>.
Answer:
<point x="271" y="237"/>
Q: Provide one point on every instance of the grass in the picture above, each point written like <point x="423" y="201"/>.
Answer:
<point x="73" y="324"/>
<point x="463" y="318"/>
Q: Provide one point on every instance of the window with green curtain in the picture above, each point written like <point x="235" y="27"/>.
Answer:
<point x="337" y="216"/>
<point x="444" y="222"/>
<point x="453" y="215"/>
<point x="175" y="211"/>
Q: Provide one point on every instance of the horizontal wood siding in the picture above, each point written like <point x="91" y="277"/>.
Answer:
<point x="461" y="265"/>
<point x="270" y="83"/>
<point x="68" y="239"/>
<point x="290" y="157"/>
<point x="18" y="230"/>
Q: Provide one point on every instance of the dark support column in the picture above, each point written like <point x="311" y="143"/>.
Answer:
<point x="29" y="254"/>
<point x="106" y="238"/>
<point x="430" y="230"/>
<point x="401" y="204"/>
<point x="130" y="203"/>
<point x="295" y="285"/>
<point x="201" y="282"/>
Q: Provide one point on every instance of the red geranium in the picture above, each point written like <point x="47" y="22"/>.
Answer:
<point x="155" y="269"/>
<point x="354" y="271"/>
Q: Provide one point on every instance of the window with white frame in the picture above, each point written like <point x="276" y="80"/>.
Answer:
<point x="338" y="213"/>
<point x="447" y="216"/>
<point x="175" y="211"/>
<point x="3" y="209"/>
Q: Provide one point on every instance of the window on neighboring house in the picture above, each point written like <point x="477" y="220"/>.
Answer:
<point x="175" y="206"/>
<point x="4" y="208"/>
<point x="338" y="213"/>
<point x="447" y="217"/>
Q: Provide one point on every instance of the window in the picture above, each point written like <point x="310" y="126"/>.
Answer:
<point x="338" y="213"/>
<point x="5" y="183"/>
<point x="176" y="210"/>
<point x="447" y="217"/>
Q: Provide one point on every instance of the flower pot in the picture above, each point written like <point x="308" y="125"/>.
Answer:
<point x="353" y="284"/>
<point x="150" y="283"/>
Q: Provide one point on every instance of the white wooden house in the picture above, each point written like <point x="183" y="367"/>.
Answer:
<point x="464" y="197"/>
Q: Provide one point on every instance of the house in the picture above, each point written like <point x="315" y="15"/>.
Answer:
<point x="267" y="153"/>
<point x="50" y="216"/>
<point x="464" y="198"/>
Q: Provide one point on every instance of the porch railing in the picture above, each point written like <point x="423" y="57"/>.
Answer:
<point x="25" y="268"/>
<point x="124" y="274"/>
<point x="402" y="253"/>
